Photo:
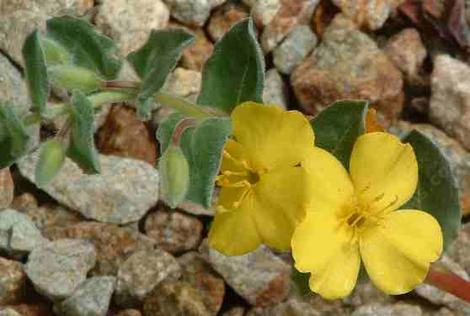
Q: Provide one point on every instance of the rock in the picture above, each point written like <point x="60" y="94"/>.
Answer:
<point x="438" y="297"/>
<point x="235" y="311"/>
<point x="18" y="234"/>
<point x="275" y="90"/>
<point x="122" y="193"/>
<point x="364" y="293"/>
<point x="173" y="231"/>
<point x="348" y="65"/>
<point x="450" y="98"/>
<point x="457" y="156"/>
<point x="291" y="307"/>
<point x="199" y="274"/>
<point x="24" y="202"/>
<point x="399" y="309"/>
<point x="50" y="7"/>
<point x="37" y="308"/>
<point x="91" y="298"/>
<point x="56" y="269"/>
<point x="459" y="251"/>
<point x="8" y="312"/>
<point x="371" y="14"/>
<point x="293" y="50"/>
<point x="130" y="24"/>
<point x="264" y="11"/>
<point x="12" y="282"/>
<point x="407" y="52"/>
<point x="260" y="277"/>
<point x="47" y="216"/>
<point x="191" y="12"/>
<point x="12" y="86"/>
<point x="174" y="298"/>
<point x="195" y="56"/>
<point x="124" y="135"/>
<point x="113" y="244"/>
<point x="184" y="83"/>
<point x="129" y="312"/>
<point x="290" y="14"/>
<point x="142" y="272"/>
<point x="14" y="29"/>
<point x="7" y="188"/>
<point x="224" y="18"/>
<point x="328" y="307"/>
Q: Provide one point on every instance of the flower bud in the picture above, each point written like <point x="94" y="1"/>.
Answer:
<point x="51" y="159"/>
<point x="71" y="77"/>
<point x="174" y="171"/>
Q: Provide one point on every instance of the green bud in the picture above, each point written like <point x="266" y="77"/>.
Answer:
<point x="71" y="77"/>
<point x="54" y="53"/>
<point x="174" y="172"/>
<point x="51" y="159"/>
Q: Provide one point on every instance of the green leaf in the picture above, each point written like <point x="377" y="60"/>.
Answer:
<point x="437" y="191"/>
<point x="300" y="282"/>
<point x="13" y="136"/>
<point x="174" y="175"/>
<point x="87" y="47"/>
<point x="36" y="72"/>
<point x="202" y="147"/>
<point x="235" y="71"/>
<point x="82" y="146"/>
<point x="337" y="127"/>
<point x="154" y="61"/>
<point x="71" y="77"/>
<point x="51" y="159"/>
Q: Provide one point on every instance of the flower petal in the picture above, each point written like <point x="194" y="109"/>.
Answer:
<point x="278" y="204"/>
<point x="328" y="251"/>
<point x="271" y="135"/>
<point x="331" y="187"/>
<point x="384" y="171"/>
<point x="397" y="252"/>
<point x="234" y="233"/>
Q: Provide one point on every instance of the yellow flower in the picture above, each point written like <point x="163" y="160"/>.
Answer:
<point x="354" y="217"/>
<point x="263" y="183"/>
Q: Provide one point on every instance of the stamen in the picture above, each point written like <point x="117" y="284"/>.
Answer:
<point x="383" y="210"/>
<point x="240" y="162"/>
<point x="244" y="194"/>
<point x="235" y="173"/>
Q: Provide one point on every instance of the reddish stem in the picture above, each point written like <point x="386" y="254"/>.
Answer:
<point x="180" y="128"/>
<point x="450" y="283"/>
<point x="121" y="84"/>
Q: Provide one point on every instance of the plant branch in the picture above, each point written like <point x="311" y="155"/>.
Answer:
<point x="185" y="106"/>
<point x="183" y="125"/>
<point x="450" y="283"/>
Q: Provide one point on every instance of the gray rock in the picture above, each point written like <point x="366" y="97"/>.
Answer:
<point x="260" y="277"/>
<point x="190" y="12"/>
<point x="399" y="309"/>
<point x="459" y="251"/>
<point x="364" y="293"/>
<point x="235" y="311"/>
<point x="12" y="86"/>
<point x="51" y="7"/>
<point x="450" y="98"/>
<point x="293" y="50"/>
<point x="142" y="272"/>
<point x="291" y="307"/>
<point x="439" y="297"/>
<point x="275" y="90"/>
<point x="18" y="234"/>
<point x="184" y="83"/>
<point x="7" y="311"/>
<point x="6" y="188"/>
<point x="58" y="268"/>
<point x="264" y="11"/>
<point x="122" y="193"/>
<point x="224" y="18"/>
<point x="91" y="298"/>
<point x="12" y="281"/>
<point x="130" y="24"/>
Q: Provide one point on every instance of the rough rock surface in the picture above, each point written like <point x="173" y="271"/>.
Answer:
<point x="191" y="12"/>
<point x="460" y="250"/>
<point x="130" y="24"/>
<point x="6" y="188"/>
<point x="275" y="90"/>
<point x="12" y="281"/>
<point x="348" y="65"/>
<point x="264" y="11"/>
<point x="122" y="193"/>
<point x="142" y="272"/>
<point x="291" y="307"/>
<point x="450" y="99"/>
<point x="51" y="7"/>
<point x="58" y="268"/>
<point x="12" y="86"/>
<point x="184" y="83"/>
<point x="224" y="18"/>
<point x="400" y="309"/>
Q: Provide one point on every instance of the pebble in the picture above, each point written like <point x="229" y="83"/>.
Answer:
<point x="91" y="298"/>
<point x="275" y="89"/>
<point x="51" y="7"/>
<point x="260" y="277"/>
<point x="173" y="231"/>
<point x="142" y="272"/>
<point x="122" y="193"/>
<point x="12" y="86"/>
<point x="224" y="18"/>
<point x="124" y="135"/>
<point x="129" y="312"/>
<point x="7" y="188"/>
<point x="459" y="251"/>
<point x="8" y="312"/>
<point x="348" y="65"/>
<point x="293" y="50"/>
<point x="291" y="307"/>
<point x="200" y="275"/>
<point x="399" y="309"/>
<point x="190" y="12"/>
<point x="12" y="281"/>
<point x="195" y="56"/>
<point x="184" y="83"/>
<point x="264" y="11"/>
<point x="130" y="23"/>
<point x="56" y="269"/>
<point x="450" y="98"/>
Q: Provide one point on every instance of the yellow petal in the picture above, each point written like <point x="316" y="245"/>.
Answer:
<point x="271" y="136"/>
<point x="328" y="251"/>
<point x="331" y="188"/>
<point x="234" y="233"/>
<point x="278" y="204"/>
<point x="233" y="156"/>
<point x="397" y="252"/>
<point x="384" y="171"/>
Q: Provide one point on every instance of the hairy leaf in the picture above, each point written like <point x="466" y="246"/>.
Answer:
<point x="13" y="136"/>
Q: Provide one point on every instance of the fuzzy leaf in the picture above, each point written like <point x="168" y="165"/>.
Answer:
<point x="235" y="71"/>
<point x="13" y="136"/>
<point x="51" y="159"/>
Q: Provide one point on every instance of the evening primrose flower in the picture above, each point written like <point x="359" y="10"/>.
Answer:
<point x="264" y="186"/>
<point x="354" y="218"/>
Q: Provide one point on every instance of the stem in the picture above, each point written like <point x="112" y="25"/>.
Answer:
<point x="185" y="106"/>
<point x="121" y="84"/>
<point x="106" y="97"/>
<point x="180" y="128"/>
<point x="450" y="283"/>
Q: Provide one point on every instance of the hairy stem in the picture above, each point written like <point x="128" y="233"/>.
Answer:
<point x="185" y="106"/>
<point x="450" y="283"/>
